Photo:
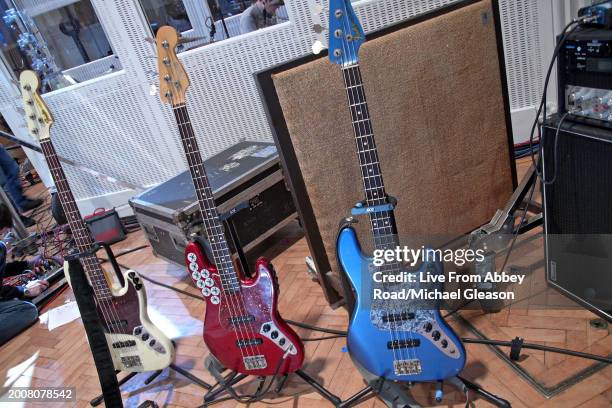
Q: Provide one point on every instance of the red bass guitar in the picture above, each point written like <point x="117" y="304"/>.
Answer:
<point x="242" y="326"/>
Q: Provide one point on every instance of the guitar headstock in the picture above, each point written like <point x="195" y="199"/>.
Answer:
<point x="37" y="115"/>
<point x="345" y="33"/>
<point x="173" y="80"/>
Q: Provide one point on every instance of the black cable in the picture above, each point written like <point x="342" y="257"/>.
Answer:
<point x="336" y="336"/>
<point x="316" y="328"/>
<point x="540" y="347"/>
<point x="569" y="28"/>
<point x="555" y="152"/>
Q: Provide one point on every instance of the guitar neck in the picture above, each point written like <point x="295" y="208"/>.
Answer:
<point x="78" y="228"/>
<point x="212" y="225"/>
<point x="381" y="222"/>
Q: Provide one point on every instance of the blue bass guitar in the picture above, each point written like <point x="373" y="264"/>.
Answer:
<point x="399" y="340"/>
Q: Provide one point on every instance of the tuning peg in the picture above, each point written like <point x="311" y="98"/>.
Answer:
<point x="317" y="47"/>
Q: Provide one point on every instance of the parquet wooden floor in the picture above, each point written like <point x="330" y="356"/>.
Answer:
<point x="42" y="358"/>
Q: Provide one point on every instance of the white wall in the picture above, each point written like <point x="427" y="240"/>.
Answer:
<point x="116" y="124"/>
<point x="113" y="124"/>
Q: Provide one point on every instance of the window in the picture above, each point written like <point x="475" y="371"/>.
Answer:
<point x="208" y="21"/>
<point x="166" y="12"/>
<point x="57" y="43"/>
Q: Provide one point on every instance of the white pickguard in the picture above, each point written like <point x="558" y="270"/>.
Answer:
<point x="150" y="357"/>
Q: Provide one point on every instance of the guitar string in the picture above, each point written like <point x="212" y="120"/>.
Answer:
<point x="382" y="234"/>
<point x="80" y="233"/>
<point x="195" y="179"/>
<point x="389" y="236"/>
<point x="375" y="219"/>
<point x="210" y="223"/>
<point x="347" y="65"/>
<point x="207" y="190"/>
<point x="101" y="293"/>
<point x="213" y="228"/>
<point x="50" y="156"/>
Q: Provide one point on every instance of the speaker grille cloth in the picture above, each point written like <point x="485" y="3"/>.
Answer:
<point x="435" y="98"/>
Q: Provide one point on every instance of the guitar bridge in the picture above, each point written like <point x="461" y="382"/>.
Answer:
<point x="255" y="362"/>
<point x="407" y="367"/>
<point x="131" y="361"/>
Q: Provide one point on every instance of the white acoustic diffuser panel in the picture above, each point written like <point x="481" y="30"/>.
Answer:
<point x="116" y="124"/>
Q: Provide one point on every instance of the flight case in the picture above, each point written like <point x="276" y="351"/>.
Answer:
<point x="249" y="191"/>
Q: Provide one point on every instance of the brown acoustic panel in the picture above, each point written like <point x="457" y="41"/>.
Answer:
<point x="435" y="95"/>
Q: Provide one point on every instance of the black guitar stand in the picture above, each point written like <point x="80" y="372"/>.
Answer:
<point x="84" y="297"/>
<point x="73" y="260"/>
<point x="394" y="394"/>
<point x="226" y="383"/>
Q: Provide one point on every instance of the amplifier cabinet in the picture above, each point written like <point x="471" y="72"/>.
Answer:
<point x="249" y="190"/>
<point x="578" y="212"/>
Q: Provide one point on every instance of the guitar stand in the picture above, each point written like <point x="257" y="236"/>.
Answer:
<point x="113" y="261"/>
<point x="152" y="376"/>
<point x="394" y="394"/>
<point x="233" y="378"/>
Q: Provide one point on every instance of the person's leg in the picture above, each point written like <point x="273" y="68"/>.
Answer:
<point x="12" y="183"/>
<point x="10" y="170"/>
<point x="15" y="316"/>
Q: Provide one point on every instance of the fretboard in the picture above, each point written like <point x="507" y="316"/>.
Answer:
<point x="78" y="228"/>
<point x="382" y="223"/>
<point x="212" y="225"/>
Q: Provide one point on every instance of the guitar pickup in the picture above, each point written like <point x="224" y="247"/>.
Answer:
<point x="236" y="320"/>
<point x="398" y="317"/>
<point x="124" y="344"/>
<point x="402" y="344"/>
<point x="248" y="342"/>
